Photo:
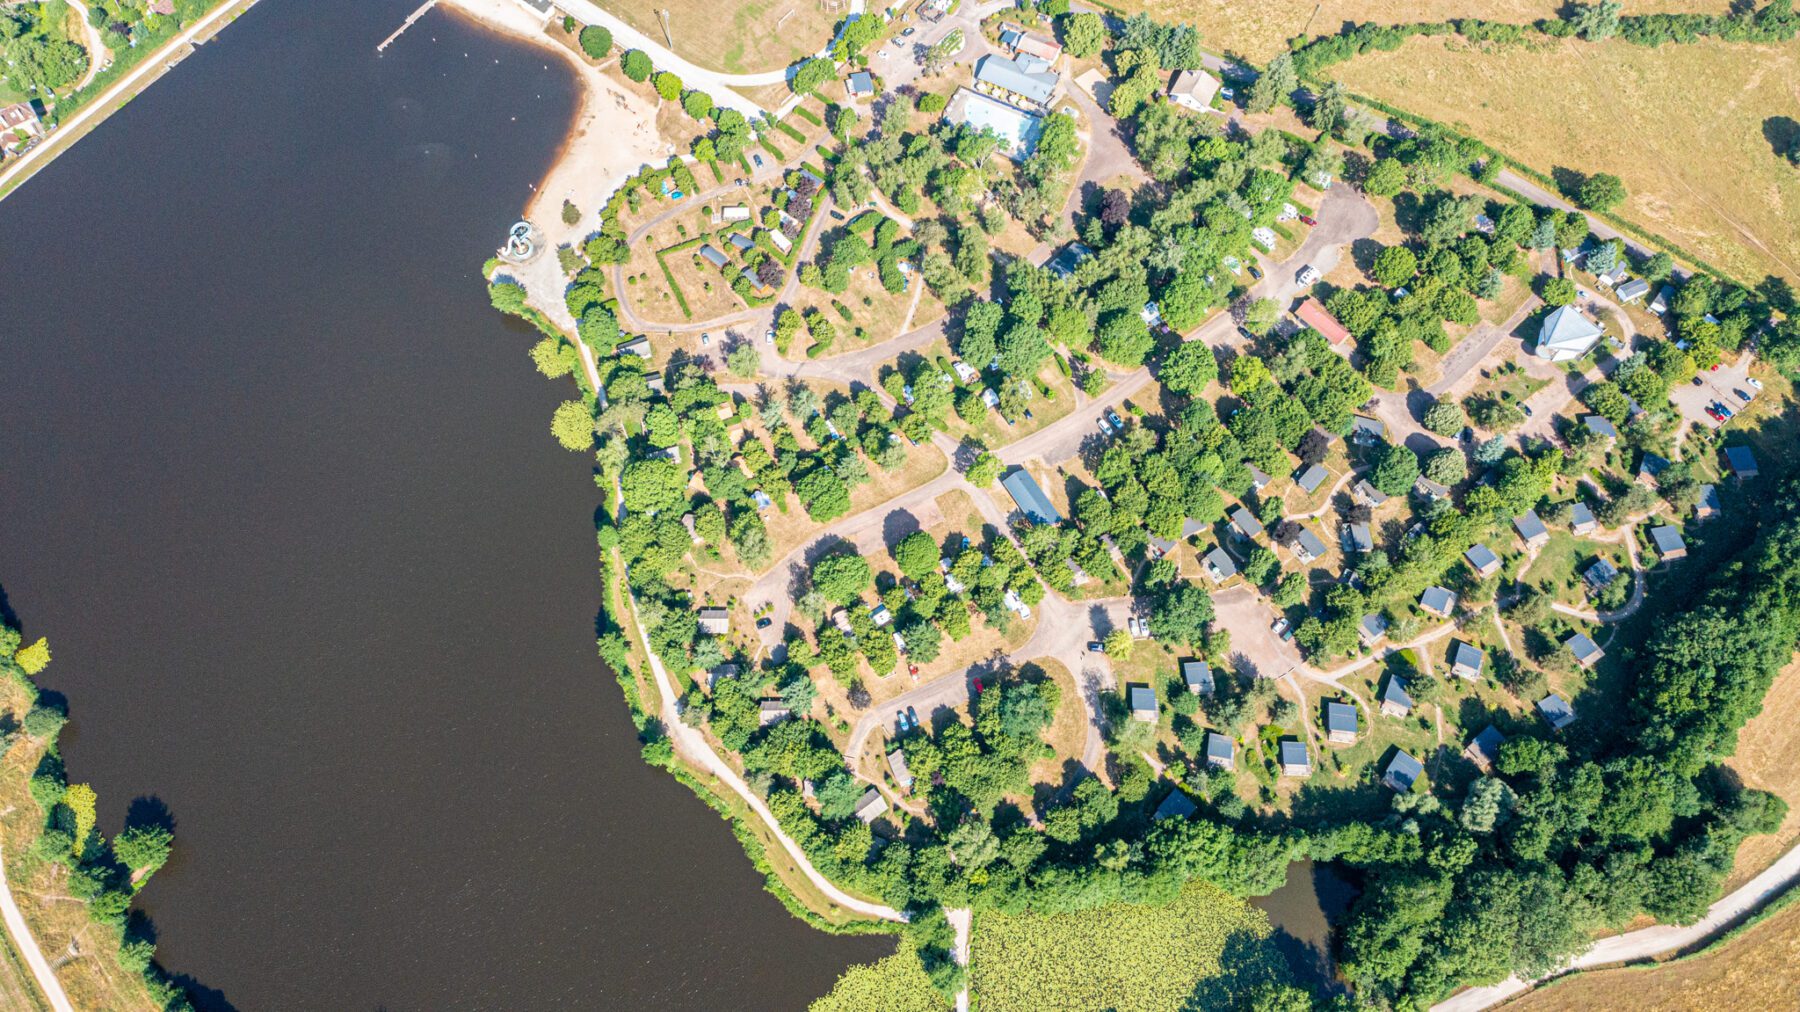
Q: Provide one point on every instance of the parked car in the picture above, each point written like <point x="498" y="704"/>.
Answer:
<point x="1307" y="275"/>
<point x="1095" y="646"/>
<point x="769" y="337"/>
<point x="978" y="686"/>
<point x="1725" y="409"/>
<point x="1699" y="382"/>
<point x="1255" y="272"/>
<point x="1714" y="415"/>
<point x="1755" y="383"/>
<point x="912" y="716"/>
<point x="1715" y="367"/>
<point x="1113" y="417"/>
<point x="908" y="32"/>
<point x="705" y="340"/>
<point x="1105" y="429"/>
<point x="913" y="670"/>
<point x="764" y="622"/>
<point x="837" y="216"/>
<point x="1287" y="635"/>
<point x="1246" y="334"/>
<point x="1307" y="219"/>
<point x="1742" y="396"/>
<point x="1525" y="408"/>
<point x="1280" y="626"/>
<point x="900" y="721"/>
<point x="757" y="159"/>
<point x="1468" y="434"/>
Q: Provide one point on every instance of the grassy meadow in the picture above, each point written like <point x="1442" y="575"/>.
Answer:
<point x="1682" y="125"/>
<point x="736" y="37"/>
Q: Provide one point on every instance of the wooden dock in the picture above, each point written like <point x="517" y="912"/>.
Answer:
<point x="408" y="23"/>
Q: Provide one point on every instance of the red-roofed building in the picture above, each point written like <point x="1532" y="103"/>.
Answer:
<point x="1314" y="315"/>
<point x="20" y="119"/>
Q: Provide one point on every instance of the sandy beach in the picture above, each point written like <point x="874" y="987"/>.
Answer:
<point x="614" y="135"/>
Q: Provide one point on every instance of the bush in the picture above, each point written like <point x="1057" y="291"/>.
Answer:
<point x="932" y="102"/>
<point x="1557" y="292"/>
<point x="636" y="65"/>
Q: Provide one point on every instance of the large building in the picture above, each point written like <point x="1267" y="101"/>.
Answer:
<point x="1030" y="497"/>
<point x="1566" y="335"/>
<point x="1193" y="89"/>
<point x="1016" y="129"/>
<point x="1023" y="80"/>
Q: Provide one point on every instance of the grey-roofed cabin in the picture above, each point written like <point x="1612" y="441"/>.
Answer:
<point x="1311" y="478"/>
<point x="1669" y="543"/>
<point x="896" y="761"/>
<point x="1367" y="494"/>
<point x="1439" y="601"/>
<point x="1581" y="519"/>
<point x="1402" y="772"/>
<point x="1142" y="702"/>
<point x="1600" y="574"/>
<point x="1742" y="461"/>
<point x="1556" y="711"/>
<point x="1176" y="806"/>
<point x="1482" y="560"/>
<point x="715" y="621"/>
<point x="1294" y="760"/>
<point x="1358" y="538"/>
<point x="1466" y="661"/>
<point x="1219" y="565"/>
<point x="1364" y="429"/>
<point x="1394" y="700"/>
<point x="1600" y="425"/>
<point x="1340" y="722"/>
<point x="1030" y="497"/>
<point x="1587" y="652"/>
<point x="1245" y="523"/>
<point x="1709" y="505"/>
<point x="1484" y="749"/>
<point x="1372" y="628"/>
<point x="1198" y="676"/>
<point x="1307" y="546"/>
<point x="1220" y="750"/>
<point x="1531" y="530"/>
<point x="870" y="806"/>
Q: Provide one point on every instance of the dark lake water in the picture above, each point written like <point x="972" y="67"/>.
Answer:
<point x="280" y="488"/>
<point x="1303" y="911"/>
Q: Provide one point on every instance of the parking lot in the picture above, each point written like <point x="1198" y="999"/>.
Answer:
<point x="1724" y="385"/>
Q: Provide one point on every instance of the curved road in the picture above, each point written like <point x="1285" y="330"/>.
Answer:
<point x="27" y="946"/>
<point x="98" y="54"/>
<point x="1648" y="942"/>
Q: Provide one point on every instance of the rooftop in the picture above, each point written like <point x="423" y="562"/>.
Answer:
<point x="1314" y="315"/>
<point x="1016" y="129"/>
<point x="1311" y="478"/>
<point x="1668" y="539"/>
<point x="1402" y="772"/>
<point x="1025" y="76"/>
<point x="1340" y="718"/>
<point x="1030" y="497"/>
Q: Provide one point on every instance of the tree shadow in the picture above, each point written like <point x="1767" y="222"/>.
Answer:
<point x="897" y="526"/>
<point x="1246" y="964"/>
<point x="1783" y="134"/>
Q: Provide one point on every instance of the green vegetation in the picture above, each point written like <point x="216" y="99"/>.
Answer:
<point x="895" y="984"/>
<point x="1202" y="949"/>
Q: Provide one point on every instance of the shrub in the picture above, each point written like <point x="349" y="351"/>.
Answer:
<point x="596" y="41"/>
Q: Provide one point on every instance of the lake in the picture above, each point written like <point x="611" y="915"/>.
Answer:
<point x="280" y="488"/>
<point x="1303" y="911"/>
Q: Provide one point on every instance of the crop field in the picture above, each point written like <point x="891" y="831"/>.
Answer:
<point x="736" y="36"/>
<point x="1759" y="969"/>
<point x="1259" y="31"/>
<point x="895" y="984"/>
<point x="1205" y="950"/>
<point x="1768" y="757"/>
<point x="1691" y="129"/>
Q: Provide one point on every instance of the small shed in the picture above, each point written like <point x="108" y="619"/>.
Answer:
<point x="1402" y="772"/>
<point x="1742" y="461"/>
<point x="896" y="761"/>
<point x="1482" y="560"/>
<point x="1366" y="494"/>
<point x="1600" y="574"/>
<point x="1142" y="702"/>
<point x="1340" y="723"/>
<point x="1581" y="519"/>
<point x="1556" y="711"/>
<point x="1709" y="505"/>
<point x="772" y="711"/>
<point x="1372" y="628"/>
<point x="1394" y="699"/>
<point x="871" y="806"/>
<point x="1587" y="652"/>
<point x="1220" y="751"/>
<point x="1307" y="546"/>
<point x="1294" y="760"/>
<point x="860" y="83"/>
<point x="1198" y="675"/>
<point x="1600" y="425"/>
<point x="1439" y="601"/>
<point x="1364" y="429"/>
<point x="1245" y="523"/>
<point x="1669" y="543"/>
<point x="1311" y="478"/>
<point x="715" y="621"/>
<point x="1531" y="530"/>
<point x="1358" y="538"/>
<point x="1466" y="661"/>
<point x="1176" y="806"/>
<point x="1258" y="480"/>
<point x="1484" y="748"/>
<point x="1219" y="565"/>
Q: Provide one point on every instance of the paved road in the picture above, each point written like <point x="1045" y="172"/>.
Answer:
<point x="154" y="63"/>
<point x="27" y="946"/>
<point x="1649" y="942"/>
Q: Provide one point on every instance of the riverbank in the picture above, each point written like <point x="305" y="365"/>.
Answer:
<point x="143" y="74"/>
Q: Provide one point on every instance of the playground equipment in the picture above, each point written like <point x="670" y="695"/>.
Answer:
<point x="521" y="242"/>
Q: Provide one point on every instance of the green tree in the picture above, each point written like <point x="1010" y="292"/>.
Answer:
<point x="841" y="578"/>
<point x="636" y="65"/>
<point x="1557" y="292"/>
<point x="1395" y="266"/>
<point x="744" y="360"/>
<point x="810" y="75"/>
<point x="916" y="555"/>
<point x="1083" y="33"/>
<point x="507" y="296"/>
<point x="81" y="800"/>
<point x="596" y="41"/>
<point x="697" y="104"/>
<point x="1261" y="315"/>
<point x="668" y="86"/>
<point x="1444" y="417"/>
<point x="143" y="849"/>
<point x="1189" y="368"/>
<point x="1601" y="191"/>
<point x="1397" y="470"/>
<point x="1446" y="466"/>
<point x="1276" y="83"/>
<point x="1386" y="178"/>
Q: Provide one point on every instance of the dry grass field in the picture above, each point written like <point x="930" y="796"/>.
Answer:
<point x="1768" y="757"/>
<point x="1682" y="125"/>
<point x="1758" y="970"/>
<point x="1259" y="31"/>
<point x="736" y="36"/>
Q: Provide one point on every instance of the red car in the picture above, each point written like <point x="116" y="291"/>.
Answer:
<point x="978" y="686"/>
<point x="1308" y="220"/>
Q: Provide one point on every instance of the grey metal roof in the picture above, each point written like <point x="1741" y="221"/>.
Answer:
<point x="1022" y="76"/>
<point x="1481" y="557"/>
<point x="1600" y="425"/>
<point x="1340" y="717"/>
<point x="1395" y="692"/>
<point x="1141" y="698"/>
<point x="1293" y="753"/>
<point x="1310" y="543"/>
<point x="1581" y="516"/>
<point x="1632" y="290"/>
<point x="1742" y="461"/>
<point x="1219" y="747"/>
<point x="1361" y="539"/>
<point x="1583" y="647"/>
<point x="1311" y="478"/>
<point x="1488" y="743"/>
<point x="1031" y="498"/>
<point x="1176" y="806"/>
<point x="861" y="83"/>
<point x="1556" y="710"/>
<point x="1438" y="599"/>
<point x="1197" y="675"/>
<point x="1246" y="522"/>
<point x="1402" y="771"/>
<point x="1362" y="425"/>
<point x="1466" y="656"/>
<point x="1221" y="561"/>
<point x="1668" y="539"/>
<point x="1366" y="491"/>
<point x="1529" y="526"/>
<point x="1374" y="625"/>
<point x="713" y="256"/>
<point x="1601" y="573"/>
<point x="1257" y="478"/>
<point x="1709" y="503"/>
